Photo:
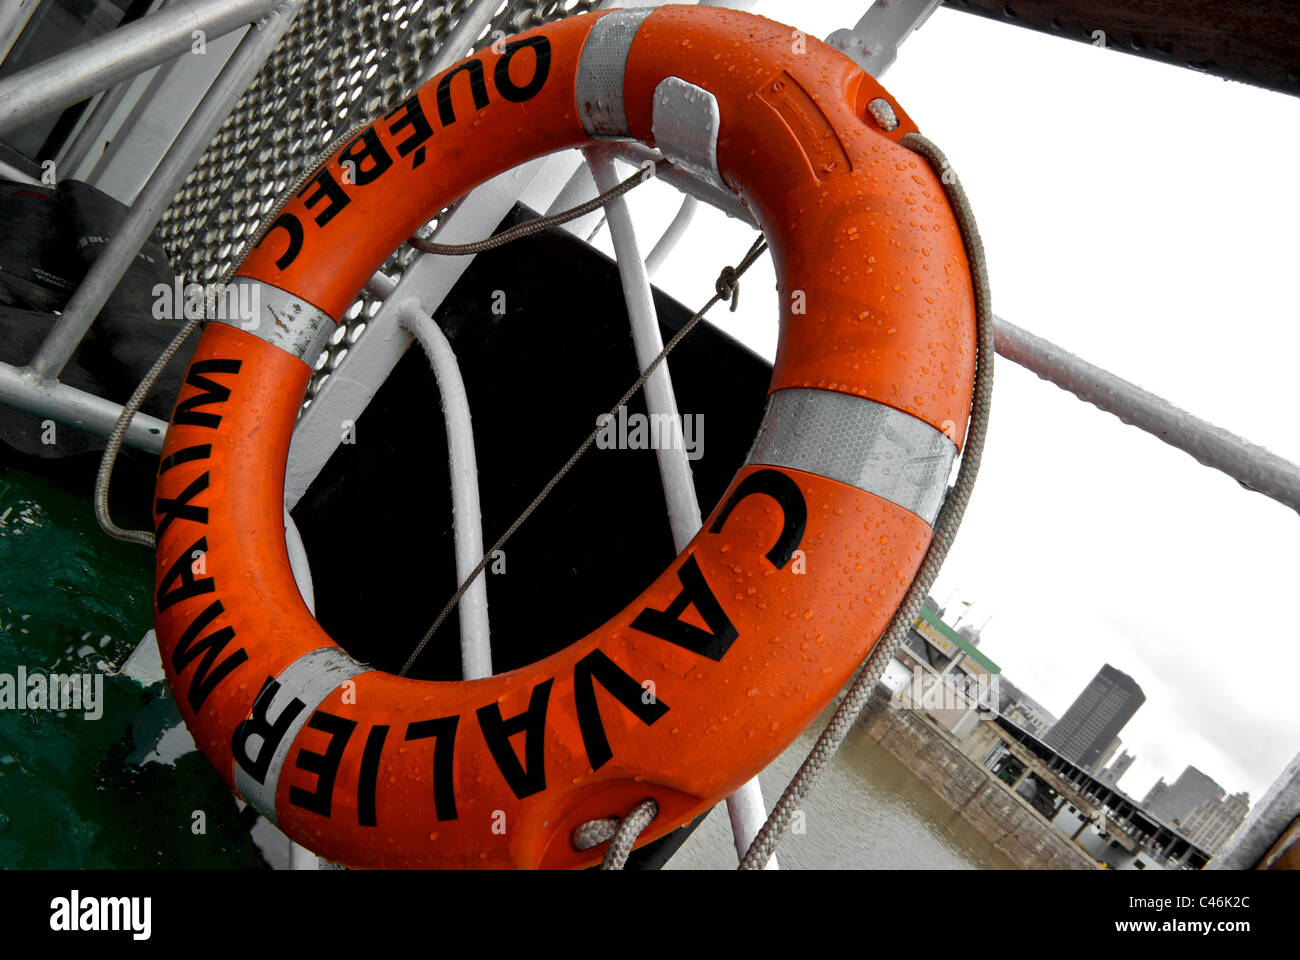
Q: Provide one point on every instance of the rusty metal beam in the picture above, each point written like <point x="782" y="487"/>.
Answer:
<point x="1253" y="41"/>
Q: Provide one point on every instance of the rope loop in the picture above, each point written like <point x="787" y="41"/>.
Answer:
<point x="625" y="835"/>
<point x="594" y="832"/>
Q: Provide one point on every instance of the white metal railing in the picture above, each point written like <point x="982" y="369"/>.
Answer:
<point x="194" y="137"/>
<point x="96" y="65"/>
<point x="466" y="516"/>
<point x="1254" y="467"/>
<point x="14" y="16"/>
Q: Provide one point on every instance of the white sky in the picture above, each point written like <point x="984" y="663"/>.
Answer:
<point x="1144" y="217"/>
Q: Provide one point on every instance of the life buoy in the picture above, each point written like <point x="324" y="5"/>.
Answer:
<point x="763" y="617"/>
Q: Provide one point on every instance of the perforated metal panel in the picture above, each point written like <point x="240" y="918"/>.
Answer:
<point x="340" y="64"/>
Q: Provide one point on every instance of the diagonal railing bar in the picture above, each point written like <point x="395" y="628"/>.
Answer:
<point x="1252" y="466"/>
<point x="98" y="64"/>
<point x="110" y="266"/>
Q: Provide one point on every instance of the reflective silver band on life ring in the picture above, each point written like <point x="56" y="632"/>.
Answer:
<point x="860" y="442"/>
<point x="599" y="85"/>
<point x="310" y="680"/>
<point x="278" y="317"/>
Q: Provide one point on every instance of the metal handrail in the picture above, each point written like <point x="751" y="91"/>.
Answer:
<point x="98" y="64"/>
<point x="1252" y="466"/>
<point x="745" y="806"/>
<point x="111" y="265"/>
<point x="77" y="408"/>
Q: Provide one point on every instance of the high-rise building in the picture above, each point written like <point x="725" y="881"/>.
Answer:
<point x="1117" y="769"/>
<point x="1096" y="717"/>
<point x="1174" y="801"/>
<point x="1213" y="821"/>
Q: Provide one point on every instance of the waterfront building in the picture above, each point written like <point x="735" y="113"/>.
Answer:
<point x="1095" y="815"/>
<point x="939" y="671"/>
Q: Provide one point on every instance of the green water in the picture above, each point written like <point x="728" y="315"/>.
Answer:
<point x="75" y="792"/>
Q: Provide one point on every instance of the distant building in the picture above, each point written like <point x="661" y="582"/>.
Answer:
<point x="1024" y="711"/>
<point x="1174" y="801"/>
<point x="1096" y="717"/>
<point x="1213" y="821"/>
<point x="1024" y="717"/>
<point x="1104" y="757"/>
<point x="1117" y="769"/>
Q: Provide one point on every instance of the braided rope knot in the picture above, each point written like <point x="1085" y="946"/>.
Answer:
<point x="728" y="286"/>
<point x="595" y="832"/>
<point x="621" y="834"/>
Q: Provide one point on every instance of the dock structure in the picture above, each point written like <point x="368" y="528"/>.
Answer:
<point x="1080" y="798"/>
<point x="940" y="712"/>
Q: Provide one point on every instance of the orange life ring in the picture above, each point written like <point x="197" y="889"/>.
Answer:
<point x="763" y="617"/>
